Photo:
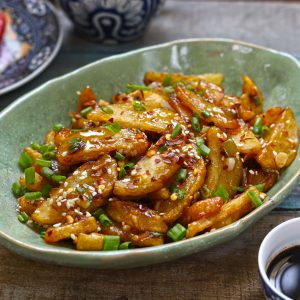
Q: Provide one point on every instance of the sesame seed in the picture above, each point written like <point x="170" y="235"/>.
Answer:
<point x="56" y="225"/>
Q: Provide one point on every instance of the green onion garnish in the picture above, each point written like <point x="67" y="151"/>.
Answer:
<point x="25" y="160"/>
<point x="49" y="155"/>
<point x="167" y="81"/>
<point x="86" y="111"/>
<point x="43" y="163"/>
<point x="199" y="141"/>
<point x="46" y="148"/>
<point x="180" y="192"/>
<point x="111" y="242"/>
<point x="168" y="90"/>
<point x="189" y="87"/>
<point x="46" y="190"/>
<point x="58" y="178"/>
<point x="125" y="246"/>
<point x="195" y="124"/>
<point x="203" y="150"/>
<point x="138" y="106"/>
<point x="200" y="93"/>
<point x="205" y="192"/>
<point x="98" y="212"/>
<point x="113" y="127"/>
<point x="124" y="169"/>
<point x="33" y="196"/>
<point x="105" y="220"/>
<point x="43" y="233"/>
<point x="222" y="192"/>
<point x="260" y="187"/>
<point x="254" y="198"/>
<point x="176" y="131"/>
<point x="162" y="148"/>
<point x="239" y="188"/>
<point x="264" y="130"/>
<point x="257" y="100"/>
<point x="205" y="114"/>
<point x="119" y="156"/>
<point x="36" y="146"/>
<point x="57" y="127"/>
<point x="76" y="144"/>
<point x="177" y="232"/>
<point x="257" y="127"/>
<point x="30" y="176"/>
<point x="23" y="217"/>
<point x="106" y="109"/>
<point x="181" y="175"/>
<point x="47" y="172"/>
<point x="135" y="87"/>
<point x="17" y="189"/>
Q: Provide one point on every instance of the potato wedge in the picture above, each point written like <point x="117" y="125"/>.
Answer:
<point x="55" y="234"/>
<point x="230" y="212"/>
<point x="201" y="209"/>
<point x="28" y="206"/>
<point x="150" y="77"/>
<point x="196" y="103"/>
<point x="152" y="119"/>
<point x="136" y="215"/>
<point x="172" y="210"/>
<point x="271" y="115"/>
<point x="89" y="145"/>
<point x="281" y="143"/>
<point x="86" y="98"/>
<point x="89" y="242"/>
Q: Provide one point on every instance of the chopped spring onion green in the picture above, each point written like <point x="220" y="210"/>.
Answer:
<point x="203" y="150"/>
<point x="260" y="187"/>
<point x="200" y="93"/>
<point x="222" y="192"/>
<point x="181" y="175"/>
<point x="264" y="130"/>
<point x="162" y="148"/>
<point x="106" y="109"/>
<point x="46" y="148"/>
<point x="189" y="87"/>
<point x="58" y="178"/>
<point x="25" y="160"/>
<point x="57" y="127"/>
<point x="36" y="146"/>
<point x="111" y="242"/>
<point x="124" y="169"/>
<point x="113" y="127"/>
<point x="86" y="111"/>
<point x="125" y="246"/>
<point x="135" y="87"/>
<point x="257" y="100"/>
<point x="105" y="220"/>
<point x="138" y="106"/>
<point x="205" y="114"/>
<point x="47" y="172"/>
<point x="180" y="192"/>
<point x="257" y="127"/>
<point x="23" y="217"/>
<point x="239" y="188"/>
<point x="119" y="156"/>
<point x="199" y="141"/>
<point x="176" y="131"/>
<point x="195" y="124"/>
<point x="46" y="190"/>
<point x="49" y="155"/>
<point x="43" y="233"/>
<point x="168" y="90"/>
<point x="167" y="81"/>
<point x="230" y="148"/>
<point x="30" y="176"/>
<point x="33" y="196"/>
<point x="177" y="232"/>
<point x="98" y="212"/>
<point x="254" y="198"/>
<point x="17" y="189"/>
<point x="43" y="162"/>
<point x="76" y="144"/>
<point x="205" y="192"/>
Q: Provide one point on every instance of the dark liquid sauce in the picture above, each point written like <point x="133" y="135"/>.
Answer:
<point x="284" y="272"/>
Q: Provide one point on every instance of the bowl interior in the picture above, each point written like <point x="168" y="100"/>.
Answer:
<point x="34" y="114"/>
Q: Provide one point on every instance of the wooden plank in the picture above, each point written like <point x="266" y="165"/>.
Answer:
<point x="228" y="271"/>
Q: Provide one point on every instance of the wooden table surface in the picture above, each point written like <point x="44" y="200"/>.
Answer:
<point x="228" y="271"/>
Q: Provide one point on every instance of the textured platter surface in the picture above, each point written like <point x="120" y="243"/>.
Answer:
<point x="29" y="118"/>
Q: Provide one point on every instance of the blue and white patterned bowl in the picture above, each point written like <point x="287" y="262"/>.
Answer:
<point x="32" y="39"/>
<point x="110" y="21"/>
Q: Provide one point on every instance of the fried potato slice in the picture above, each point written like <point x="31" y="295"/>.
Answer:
<point x="280" y="144"/>
<point x="46" y="214"/>
<point x="184" y="112"/>
<point x="89" y="242"/>
<point x="55" y="234"/>
<point x="152" y="171"/>
<point x="136" y="215"/>
<point x="89" y="186"/>
<point x="86" y="98"/>
<point x="150" y="77"/>
<point x="196" y="103"/>
<point x="172" y="210"/>
<point x="201" y="209"/>
<point x="89" y="145"/>
<point x="271" y="115"/>
<point x="62" y="136"/>
<point x="152" y="119"/>
<point x="39" y="181"/>
<point x="230" y="212"/>
<point x="28" y="206"/>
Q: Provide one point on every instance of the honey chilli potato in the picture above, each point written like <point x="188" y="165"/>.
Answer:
<point x="160" y="162"/>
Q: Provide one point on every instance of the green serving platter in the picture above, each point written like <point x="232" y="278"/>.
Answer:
<point x="32" y="115"/>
